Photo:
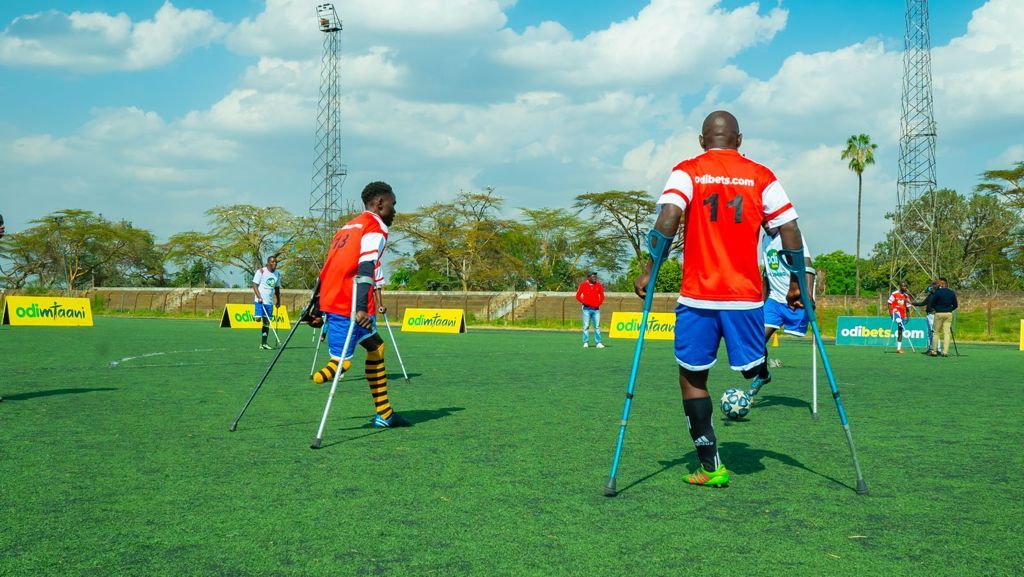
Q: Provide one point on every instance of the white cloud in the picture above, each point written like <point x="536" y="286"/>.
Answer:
<point x="679" y="41"/>
<point x="37" y="149"/>
<point x="980" y="75"/>
<point x="289" y="28"/>
<point x="93" y="42"/>
<point x="435" y="103"/>
<point x="252" y="111"/>
<point x="1009" y="157"/>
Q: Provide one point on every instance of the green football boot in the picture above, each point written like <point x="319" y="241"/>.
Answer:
<point x="718" y="478"/>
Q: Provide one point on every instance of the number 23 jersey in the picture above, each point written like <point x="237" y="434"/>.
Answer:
<point x="725" y="197"/>
<point x="362" y="239"/>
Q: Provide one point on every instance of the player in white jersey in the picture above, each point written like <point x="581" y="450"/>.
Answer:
<point x="777" y="314"/>
<point x="266" y="285"/>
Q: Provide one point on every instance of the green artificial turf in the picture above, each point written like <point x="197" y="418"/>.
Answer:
<point x="131" y="470"/>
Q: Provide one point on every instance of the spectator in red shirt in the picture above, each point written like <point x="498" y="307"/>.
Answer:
<point x="591" y="296"/>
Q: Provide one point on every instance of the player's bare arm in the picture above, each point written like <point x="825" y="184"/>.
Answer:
<point x="667" y="224"/>
<point x="256" y="291"/>
<point x="791" y="240"/>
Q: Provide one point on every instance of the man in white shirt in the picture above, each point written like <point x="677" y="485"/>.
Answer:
<point x="777" y="314"/>
<point x="266" y="284"/>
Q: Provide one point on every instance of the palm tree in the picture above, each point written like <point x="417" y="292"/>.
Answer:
<point x="860" y="151"/>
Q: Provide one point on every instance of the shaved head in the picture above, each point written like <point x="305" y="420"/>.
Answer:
<point x="720" y="130"/>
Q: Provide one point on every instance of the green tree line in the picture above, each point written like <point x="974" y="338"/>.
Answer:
<point x="469" y="243"/>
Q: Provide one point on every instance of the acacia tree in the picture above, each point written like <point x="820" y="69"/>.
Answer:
<point x="978" y="240"/>
<point x="557" y="248"/>
<point x="1008" y="183"/>
<point x="194" y="254"/>
<point x="860" y="151"/>
<point x="245" y="235"/>
<point x="461" y="238"/>
<point x="624" y="216"/>
<point x="68" y="247"/>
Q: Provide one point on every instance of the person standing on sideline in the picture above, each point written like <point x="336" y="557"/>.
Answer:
<point x="591" y="295"/>
<point x="929" y="311"/>
<point x="944" y="302"/>
<point x="898" y="302"/>
<point x="777" y="313"/>
<point x="266" y="284"/>
<point x="353" y="256"/>
<point x="721" y="198"/>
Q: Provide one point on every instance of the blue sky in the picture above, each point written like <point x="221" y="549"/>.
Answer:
<point x="155" y="111"/>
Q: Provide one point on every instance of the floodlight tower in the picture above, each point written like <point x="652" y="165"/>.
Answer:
<point x="915" y="186"/>
<point x="328" y="170"/>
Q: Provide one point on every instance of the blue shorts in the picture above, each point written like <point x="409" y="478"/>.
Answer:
<point x="259" y="308"/>
<point x="699" y="331"/>
<point x="778" y="315"/>
<point x="337" y="330"/>
<point x="897" y="318"/>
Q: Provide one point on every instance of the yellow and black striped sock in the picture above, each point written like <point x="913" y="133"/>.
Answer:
<point x="377" y="377"/>
<point x="326" y="374"/>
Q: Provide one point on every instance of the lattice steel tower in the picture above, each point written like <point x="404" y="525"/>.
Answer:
<point x="918" y="238"/>
<point x="328" y="170"/>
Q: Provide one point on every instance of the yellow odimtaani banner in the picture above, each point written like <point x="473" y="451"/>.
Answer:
<point x="434" y="321"/>
<point x="660" y="326"/>
<point x="47" y="312"/>
<point x="243" y="317"/>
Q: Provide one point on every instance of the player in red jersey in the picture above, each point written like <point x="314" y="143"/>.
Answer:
<point x="898" y="302"/>
<point x="722" y="199"/>
<point x="354" y="253"/>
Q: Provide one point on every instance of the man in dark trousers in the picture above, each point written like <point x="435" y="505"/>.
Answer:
<point x="944" y="303"/>
<point x="591" y="296"/>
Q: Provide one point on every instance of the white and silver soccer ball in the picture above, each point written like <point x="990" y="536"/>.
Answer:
<point x="735" y="404"/>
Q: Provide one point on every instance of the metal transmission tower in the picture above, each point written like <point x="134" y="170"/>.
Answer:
<point x="328" y="171"/>
<point x="916" y="233"/>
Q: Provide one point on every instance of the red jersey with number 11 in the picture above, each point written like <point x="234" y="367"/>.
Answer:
<point x="362" y="239"/>
<point x="725" y="198"/>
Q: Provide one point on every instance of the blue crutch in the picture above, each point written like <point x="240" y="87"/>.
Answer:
<point x="793" y="259"/>
<point x="659" y="245"/>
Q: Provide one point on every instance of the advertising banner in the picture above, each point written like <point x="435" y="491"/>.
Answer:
<point x="660" y="326"/>
<point x="434" y="321"/>
<point x="47" y="312"/>
<point x="243" y="317"/>
<point x="880" y="331"/>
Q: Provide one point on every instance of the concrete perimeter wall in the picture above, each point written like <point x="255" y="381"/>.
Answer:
<point x="481" y="307"/>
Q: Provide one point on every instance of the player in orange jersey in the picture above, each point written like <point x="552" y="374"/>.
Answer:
<point x="354" y="253"/>
<point x="898" y="302"/>
<point x="722" y="199"/>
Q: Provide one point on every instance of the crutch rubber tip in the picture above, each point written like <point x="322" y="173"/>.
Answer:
<point x="232" y="427"/>
<point x="814" y="416"/>
<point x="315" y="444"/>
<point x="407" y="379"/>
<point x="609" y="489"/>
<point x="862" y="487"/>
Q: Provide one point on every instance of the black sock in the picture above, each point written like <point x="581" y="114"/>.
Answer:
<point x="698" y="417"/>
<point x="763" y="372"/>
